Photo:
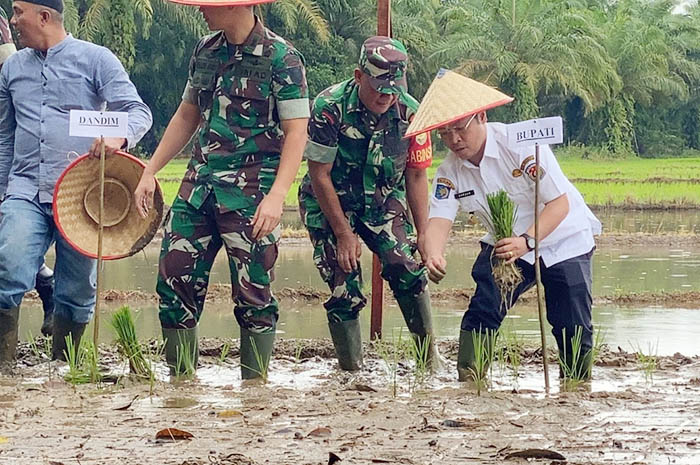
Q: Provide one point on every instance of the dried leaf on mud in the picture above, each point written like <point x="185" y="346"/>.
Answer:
<point x="362" y="388"/>
<point x="332" y="458"/>
<point x="320" y="432"/>
<point x="173" y="434"/>
<point x="125" y="407"/>
<point x="535" y="454"/>
<point x="3" y="440"/>
<point x="229" y="414"/>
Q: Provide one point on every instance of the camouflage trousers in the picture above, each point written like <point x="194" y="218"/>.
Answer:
<point x="391" y="242"/>
<point x="191" y="241"/>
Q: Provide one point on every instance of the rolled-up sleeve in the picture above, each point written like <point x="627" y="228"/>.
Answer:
<point x="324" y="125"/>
<point x="115" y="88"/>
<point x="7" y="132"/>
<point x="289" y="85"/>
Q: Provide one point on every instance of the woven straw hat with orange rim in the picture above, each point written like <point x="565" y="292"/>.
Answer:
<point x="452" y="97"/>
<point x="76" y="203"/>
<point x="221" y="2"/>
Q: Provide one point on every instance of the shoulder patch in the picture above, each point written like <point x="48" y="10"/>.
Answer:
<point x="446" y="182"/>
<point x="443" y="187"/>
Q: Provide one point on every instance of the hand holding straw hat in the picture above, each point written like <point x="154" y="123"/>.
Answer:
<point x="76" y="207"/>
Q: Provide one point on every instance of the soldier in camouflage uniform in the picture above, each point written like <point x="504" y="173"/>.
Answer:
<point x="361" y="174"/>
<point x="247" y="99"/>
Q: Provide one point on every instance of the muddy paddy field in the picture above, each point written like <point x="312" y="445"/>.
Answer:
<point x="642" y="407"/>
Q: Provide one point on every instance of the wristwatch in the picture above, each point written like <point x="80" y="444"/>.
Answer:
<point x="529" y="241"/>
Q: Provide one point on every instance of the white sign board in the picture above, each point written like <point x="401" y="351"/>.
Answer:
<point x="98" y="123"/>
<point x="536" y="131"/>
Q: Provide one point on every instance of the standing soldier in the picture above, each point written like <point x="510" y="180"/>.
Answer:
<point x="247" y="100"/>
<point x="361" y="172"/>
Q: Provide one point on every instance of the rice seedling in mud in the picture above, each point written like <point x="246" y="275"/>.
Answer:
<point x="41" y="349"/>
<point x="223" y="353"/>
<point x="186" y="359"/>
<point x="647" y="362"/>
<point x="82" y="362"/>
<point x="419" y="350"/>
<point x="577" y="366"/>
<point x="484" y="353"/>
<point x="129" y="346"/>
<point x="500" y="219"/>
<point x="391" y="353"/>
<point x="298" y="348"/>
<point x="510" y="351"/>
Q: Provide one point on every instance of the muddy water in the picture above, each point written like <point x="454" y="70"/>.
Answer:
<point x="616" y="270"/>
<point x="653" y="330"/>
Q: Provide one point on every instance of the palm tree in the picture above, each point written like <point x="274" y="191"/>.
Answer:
<point x="530" y="48"/>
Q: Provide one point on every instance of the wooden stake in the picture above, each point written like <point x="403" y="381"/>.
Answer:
<point x="100" y="229"/>
<point x="538" y="278"/>
<point x="375" y="327"/>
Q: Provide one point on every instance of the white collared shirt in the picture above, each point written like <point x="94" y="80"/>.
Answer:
<point x="460" y="184"/>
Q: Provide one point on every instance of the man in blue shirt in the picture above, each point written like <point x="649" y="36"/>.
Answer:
<point x="44" y="278"/>
<point x="39" y="85"/>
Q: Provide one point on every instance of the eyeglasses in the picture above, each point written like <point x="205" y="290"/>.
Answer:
<point x="444" y="131"/>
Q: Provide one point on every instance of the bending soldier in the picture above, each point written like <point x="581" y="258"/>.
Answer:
<point x="360" y="178"/>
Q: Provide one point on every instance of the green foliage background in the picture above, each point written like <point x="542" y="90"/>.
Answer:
<point x="624" y="74"/>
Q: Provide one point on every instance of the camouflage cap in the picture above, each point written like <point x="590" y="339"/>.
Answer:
<point x="384" y="60"/>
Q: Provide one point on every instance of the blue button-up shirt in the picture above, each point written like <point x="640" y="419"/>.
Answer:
<point x="37" y="92"/>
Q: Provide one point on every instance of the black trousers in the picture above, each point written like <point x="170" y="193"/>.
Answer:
<point x="568" y="297"/>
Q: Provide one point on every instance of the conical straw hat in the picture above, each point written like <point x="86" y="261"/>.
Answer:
<point x="452" y="97"/>
<point x="221" y="2"/>
<point x="76" y="207"/>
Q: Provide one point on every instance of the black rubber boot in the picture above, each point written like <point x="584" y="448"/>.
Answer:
<point x="44" y="287"/>
<point x="181" y="350"/>
<point x="61" y="328"/>
<point x="466" y="356"/>
<point x="416" y="313"/>
<point x="8" y="338"/>
<point x="256" y="361"/>
<point x="347" y="339"/>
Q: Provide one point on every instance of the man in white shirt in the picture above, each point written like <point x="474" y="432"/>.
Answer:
<point x="479" y="163"/>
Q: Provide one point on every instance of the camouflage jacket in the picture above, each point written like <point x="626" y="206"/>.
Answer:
<point x="243" y="92"/>
<point x="368" y="153"/>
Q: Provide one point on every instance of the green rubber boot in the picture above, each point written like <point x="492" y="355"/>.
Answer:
<point x="416" y="313"/>
<point x="181" y="350"/>
<point x="467" y="354"/>
<point x="347" y="339"/>
<point x="8" y="338"/>
<point x="256" y="352"/>
<point x="62" y="327"/>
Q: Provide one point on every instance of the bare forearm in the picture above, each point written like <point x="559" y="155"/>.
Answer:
<point x="290" y="159"/>
<point x="437" y="232"/>
<point x="182" y="126"/>
<point x="417" y="196"/>
<point x="551" y="216"/>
